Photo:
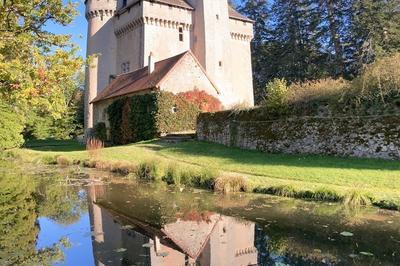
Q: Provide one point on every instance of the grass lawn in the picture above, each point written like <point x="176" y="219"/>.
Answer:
<point x="380" y="178"/>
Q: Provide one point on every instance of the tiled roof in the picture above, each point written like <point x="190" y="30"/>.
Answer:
<point x="178" y="3"/>
<point x="138" y="80"/>
<point x="236" y="15"/>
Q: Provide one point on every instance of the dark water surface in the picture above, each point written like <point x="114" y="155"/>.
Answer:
<point x="63" y="218"/>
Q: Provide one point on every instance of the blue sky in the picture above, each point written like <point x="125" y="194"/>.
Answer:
<point x="78" y="28"/>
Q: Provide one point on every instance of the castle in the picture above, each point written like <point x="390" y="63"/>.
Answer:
<point x="137" y="46"/>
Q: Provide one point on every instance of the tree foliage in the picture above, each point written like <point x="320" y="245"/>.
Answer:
<point x="37" y="67"/>
<point x="303" y="40"/>
<point x="11" y="126"/>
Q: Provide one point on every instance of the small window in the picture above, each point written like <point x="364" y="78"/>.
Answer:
<point x="125" y="67"/>
<point x="220" y="63"/>
<point x="217" y="16"/>
<point x="174" y="109"/>
<point x="180" y="33"/>
<point x="124" y="3"/>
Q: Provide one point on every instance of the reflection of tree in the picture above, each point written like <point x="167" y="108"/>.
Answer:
<point x="59" y="202"/>
<point x="18" y="227"/>
<point x="19" y="210"/>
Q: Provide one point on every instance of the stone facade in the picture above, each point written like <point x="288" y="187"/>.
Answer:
<point x="122" y="34"/>
<point x="367" y="137"/>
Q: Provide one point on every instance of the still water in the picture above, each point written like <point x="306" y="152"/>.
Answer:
<point x="63" y="217"/>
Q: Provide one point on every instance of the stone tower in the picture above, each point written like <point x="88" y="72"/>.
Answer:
<point x="226" y="59"/>
<point x="101" y="46"/>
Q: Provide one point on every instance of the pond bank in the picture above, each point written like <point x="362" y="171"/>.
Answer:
<point x="212" y="166"/>
<point x="91" y="217"/>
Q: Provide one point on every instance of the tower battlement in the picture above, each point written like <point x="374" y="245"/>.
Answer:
<point x="100" y="8"/>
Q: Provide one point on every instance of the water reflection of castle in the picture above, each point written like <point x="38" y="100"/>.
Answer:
<point x="214" y="240"/>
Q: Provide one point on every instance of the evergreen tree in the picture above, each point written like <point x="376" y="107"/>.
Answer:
<point x="374" y="32"/>
<point x="258" y="11"/>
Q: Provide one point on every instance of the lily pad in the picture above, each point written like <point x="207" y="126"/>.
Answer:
<point x="347" y="234"/>
<point x="369" y="254"/>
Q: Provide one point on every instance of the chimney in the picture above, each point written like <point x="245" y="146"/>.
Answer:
<point x="151" y="65"/>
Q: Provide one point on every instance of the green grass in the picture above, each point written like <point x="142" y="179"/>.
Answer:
<point x="314" y="177"/>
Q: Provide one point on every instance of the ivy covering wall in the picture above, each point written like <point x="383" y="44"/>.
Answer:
<point x="144" y="117"/>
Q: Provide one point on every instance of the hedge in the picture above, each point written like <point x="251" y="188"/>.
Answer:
<point x="144" y="117"/>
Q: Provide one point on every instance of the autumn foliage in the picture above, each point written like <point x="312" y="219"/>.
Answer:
<point x="203" y="100"/>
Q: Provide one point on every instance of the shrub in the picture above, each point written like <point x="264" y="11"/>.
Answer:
<point x="100" y="132"/>
<point x="227" y="183"/>
<point x="173" y="176"/>
<point x="148" y="171"/>
<point x="378" y="81"/>
<point x="10" y="128"/>
<point x="122" y="167"/>
<point x="318" y="90"/>
<point x="93" y="146"/>
<point x="205" y="178"/>
<point x="204" y="101"/>
<point x="63" y="161"/>
<point x="357" y="198"/>
<point x="388" y="204"/>
<point x="325" y="194"/>
<point x="277" y="95"/>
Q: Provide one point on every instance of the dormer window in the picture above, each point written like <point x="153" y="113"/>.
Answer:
<point x="181" y="33"/>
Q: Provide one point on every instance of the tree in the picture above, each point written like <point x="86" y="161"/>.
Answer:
<point x="303" y="40"/>
<point x="11" y="126"/>
<point x="36" y="67"/>
<point x="374" y="32"/>
<point x="258" y="11"/>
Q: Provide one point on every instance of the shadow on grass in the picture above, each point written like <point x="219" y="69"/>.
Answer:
<point x="54" y="145"/>
<point x="254" y="158"/>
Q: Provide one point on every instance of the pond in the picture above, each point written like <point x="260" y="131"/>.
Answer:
<point x="70" y="217"/>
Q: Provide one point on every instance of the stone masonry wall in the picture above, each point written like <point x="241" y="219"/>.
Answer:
<point x="368" y="137"/>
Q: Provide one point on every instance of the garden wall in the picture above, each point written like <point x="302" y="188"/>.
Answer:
<point x="369" y="137"/>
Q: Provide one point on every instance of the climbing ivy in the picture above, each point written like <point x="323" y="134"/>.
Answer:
<point x="147" y="116"/>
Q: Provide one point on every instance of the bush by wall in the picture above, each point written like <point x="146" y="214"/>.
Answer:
<point x="204" y="101"/>
<point x="10" y="128"/>
<point x="143" y="117"/>
<point x="375" y="91"/>
<point x="100" y="131"/>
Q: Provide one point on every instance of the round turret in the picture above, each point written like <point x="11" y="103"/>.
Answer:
<point x="100" y="9"/>
<point x="101" y="46"/>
